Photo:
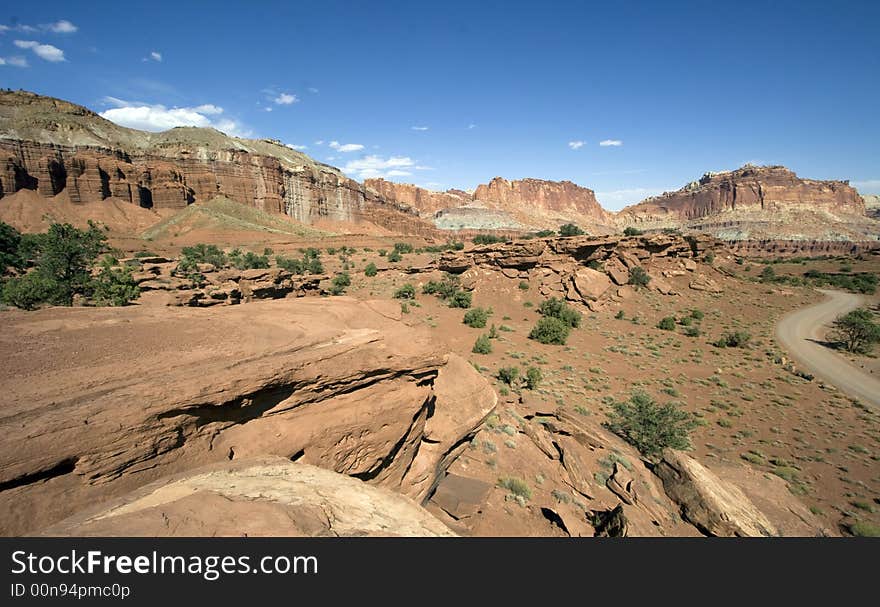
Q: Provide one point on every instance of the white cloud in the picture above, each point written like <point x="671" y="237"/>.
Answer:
<point x="346" y="147"/>
<point x="267" y="109"/>
<point x="14" y="61"/>
<point x="4" y="29"/>
<point x="576" y="145"/>
<point x="157" y="117"/>
<point x="312" y="90"/>
<point x="420" y="128"/>
<point x="319" y="142"/>
<point x="154" y="56"/>
<point x="472" y="126"/>
<point x="296" y="147"/>
<point x="611" y="142"/>
<point x="285" y="99"/>
<point x="43" y="51"/>
<point x="377" y="166"/>
<point x="61" y="27"/>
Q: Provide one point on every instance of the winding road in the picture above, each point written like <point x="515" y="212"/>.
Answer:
<point x="800" y="332"/>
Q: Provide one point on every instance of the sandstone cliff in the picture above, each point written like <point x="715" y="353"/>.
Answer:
<point x="50" y="146"/>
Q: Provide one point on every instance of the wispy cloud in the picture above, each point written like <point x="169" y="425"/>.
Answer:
<point x="346" y="147"/>
<point x="377" y="166"/>
<point x="420" y="128"/>
<point x="285" y="99"/>
<point x="14" y="61"/>
<point x="46" y="52"/>
<point x="471" y="126"/>
<point x="61" y="27"/>
<point x="611" y="143"/>
<point x="153" y="56"/>
<point x="298" y="148"/>
<point x="157" y="117"/>
<point x="312" y="90"/>
<point x="576" y="145"/>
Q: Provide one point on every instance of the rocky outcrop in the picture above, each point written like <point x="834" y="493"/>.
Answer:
<point x="141" y="393"/>
<point x="269" y="496"/>
<point x="766" y="189"/>
<point x="541" y="196"/>
<point x="52" y="146"/>
<point x="872" y="205"/>
<point x="426" y="202"/>
<point x="801" y="248"/>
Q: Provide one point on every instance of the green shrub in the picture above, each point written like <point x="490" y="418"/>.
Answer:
<point x="403" y="247"/>
<point x="651" y="427"/>
<point x="557" y="308"/>
<point x="487" y="239"/>
<point x="483" y="345"/>
<point x="493" y="332"/>
<point x="667" y="323"/>
<point x="524" y="285"/>
<point x="738" y="339"/>
<point x="638" y="277"/>
<point x="371" y="270"/>
<point x="248" y="261"/>
<point x="461" y="299"/>
<point x="395" y="256"/>
<point x="28" y="291"/>
<point x="202" y="253"/>
<point x="692" y="331"/>
<point x="443" y="289"/>
<point x="533" y="378"/>
<point x="550" y="330"/>
<point x="10" y="240"/>
<point x="113" y="286"/>
<point x="631" y="231"/>
<point x="620" y="315"/>
<point x="570" y="229"/>
<point x="516" y="486"/>
<point x="340" y="282"/>
<point x="697" y="315"/>
<point x="476" y="318"/>
<point x="545" y="233"/>
<point x="508" y="375"/>
<point x="407" y="291"/>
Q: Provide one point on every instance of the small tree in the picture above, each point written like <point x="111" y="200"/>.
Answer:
<point x="407" y="291"/>
<point x="557" y="308"/>
<point x="114" y="286"/>
<point x="570" y="229"/>
<point x="857" y="331"/>
<point x="508" y="375"/>
<point x="371" y="269"/>
<point x="631" y="231"/>
<point x="10" y="238"/>
<point x="651" y="427"/>
<point x="483" y="345"/>
<point x="533" y="378"/>
<point x="737" y="339"/>
<point x="550" y="330"/>
<point x="638" y="277"/>
<point x="395" y="256"/>
<point x="667" y="323"/>
<point x="340" y="282"/>
<point x="461" y="299"/>
<point x="476" y="318"/>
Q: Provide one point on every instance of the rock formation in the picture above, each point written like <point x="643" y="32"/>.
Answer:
<point x="50" y="146"/>
<point x="138" y="394"/>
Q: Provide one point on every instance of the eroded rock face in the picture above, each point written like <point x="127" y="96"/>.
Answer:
<point x="51" y="146"/>
<point x="426" y="202"/>
<point x="142" y="393"/>
<point x="716" y="507"/>
<point x="541" y="195"/>
<point x="759" y="188"/>
<point x="269" y="496"/>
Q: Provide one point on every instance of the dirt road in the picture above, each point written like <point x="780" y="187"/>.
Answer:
<point x="800" y="331"/>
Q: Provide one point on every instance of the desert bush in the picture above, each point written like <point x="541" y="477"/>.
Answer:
<point x="545" y="233"/>
<point x="247" y="261"/>
<point x="737" y="339"/>
<point x="407" y="291"/>
<point x="620" y="315"/>
<point x="516" y="486"/>
<point x="649" y="426"/>
<point x="631" y="231"/>
<point x="692" y="331"/>
<point x="114" y="286"/>
<point x="857" y="331"/>
<point x="550" y="330"/>
<point x="461" y="299"/>
<point x="30" y="290"/>
<point x="697" y="314"/>
<point x="340" y="282"/>
<point x="533" y="378"/>
<point x="371" y="270"/>
<point x="10" y="240"/>
<point x="443" y="289"/>
<point x="638" y="277"/>
<point x="483" y="345"/>
<point x="570" y="229"/>
<point x="508" y="375"/>
<point x="476" y="318"/>
<point x="523" y="285"/>
<point x="557" y="308"/>
<point x="403" y="247"/>
<point x="202" y="253"/>
<point x="394" y="256"/>
<point x="487" y="239"/>
<point x="667" y="323"/>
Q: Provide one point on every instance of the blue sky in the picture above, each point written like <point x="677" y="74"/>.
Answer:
<point x="450" y="94"/>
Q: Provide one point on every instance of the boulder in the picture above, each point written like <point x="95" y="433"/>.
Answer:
<point x="617" y="270"/>
<point x="590" y="284"/>
<point x="701" y="282"/>
<point x="714" y="506"/>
